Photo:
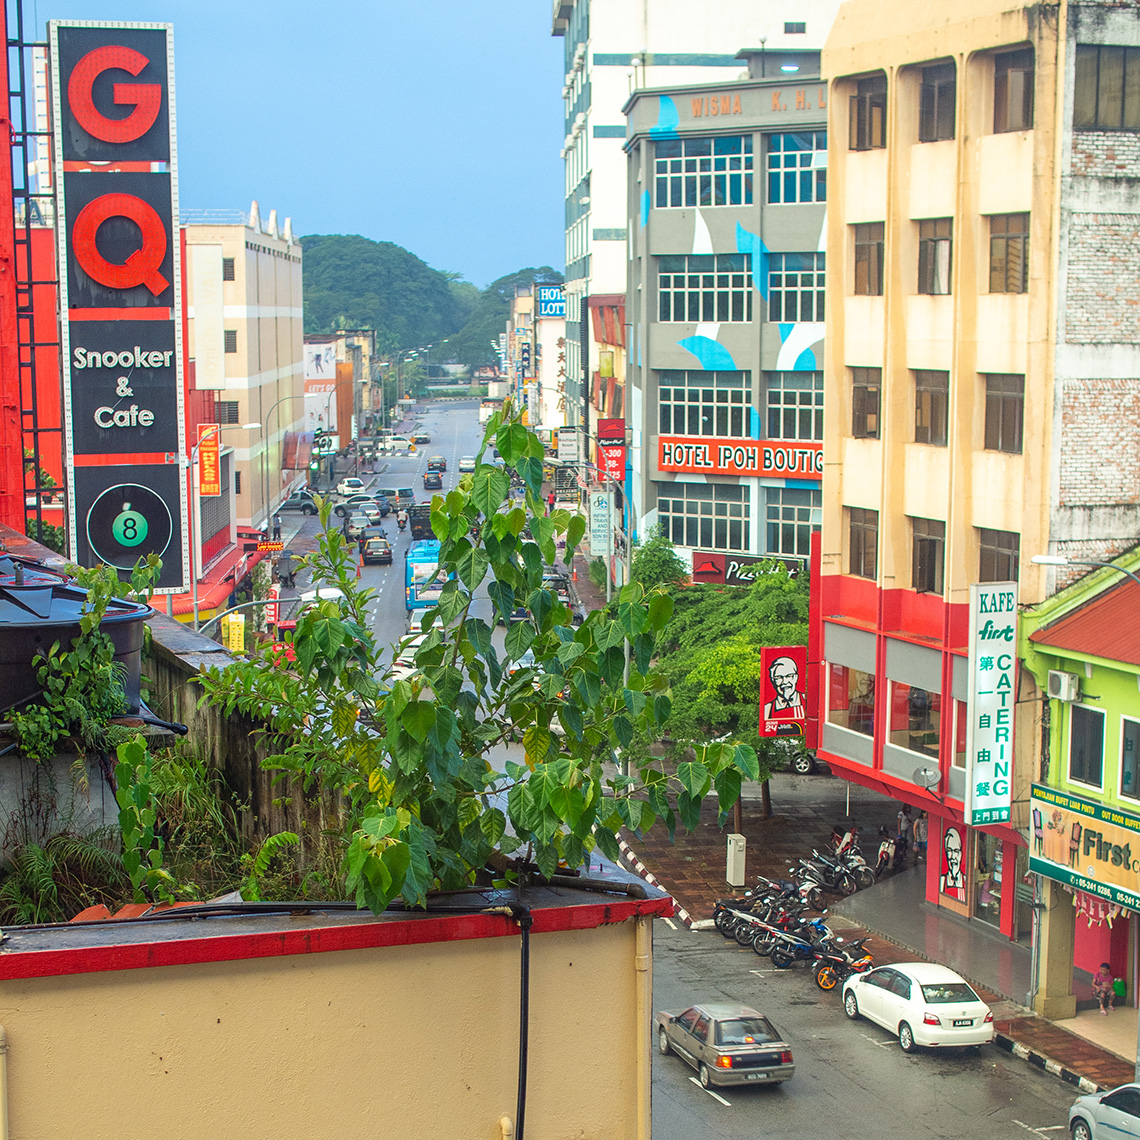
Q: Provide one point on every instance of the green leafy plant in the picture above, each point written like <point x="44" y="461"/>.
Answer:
<point x="597" y="572"/>
<point x="657" y="563"/>
<point x="142" y="845"/>
<point x="253" y="886"/>
<point x="52" y="882"/>
<point x="415" y="764"/>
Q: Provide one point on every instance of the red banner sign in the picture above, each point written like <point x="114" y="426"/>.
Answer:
<point x="766" y="457"/>
<point x="611" y="431"/>
<point x="209" y="459"/>
<point x="611" y="462"/>
<point x="783" y="676"/>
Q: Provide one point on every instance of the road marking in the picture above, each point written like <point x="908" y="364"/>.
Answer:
<point x="758" y="973"/>
<point x="1042" y="1130"/>
<point x="881" y="1044"/>
<point x="671" y="924"/>
<point x="715" y="1096"/>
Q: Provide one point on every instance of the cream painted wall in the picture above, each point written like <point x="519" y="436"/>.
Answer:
<point x="933" y="179"/>
<point x="392" y="1042"/>
<point x="1005" y="173"/>
<point x="864" y="183"/>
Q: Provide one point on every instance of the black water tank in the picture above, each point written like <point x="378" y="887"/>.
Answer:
<point x="39" y="606"/>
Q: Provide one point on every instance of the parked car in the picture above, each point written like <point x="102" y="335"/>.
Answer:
<point x="358" y="502"/>
<point x="396" y="443"/>
<point x="354" y="524"/>
<point x="924" y="1003"/>
<point x="727" y="1044"/>
<point x="421" y="437"/>
<point x="350" y="486"/>
<point x="378" y="550"/>
<point x="373" y="531"/>
<point x="467" y="463"/>
<point x="299" y="501"/>
<point x="433" y="481"/>
<point x="1106" y="1115"/>
<point x="405" y="663"/>
<point x="437" y="463"/>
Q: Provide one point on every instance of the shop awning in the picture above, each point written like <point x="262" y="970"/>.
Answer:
<point x="1108" y="626"/>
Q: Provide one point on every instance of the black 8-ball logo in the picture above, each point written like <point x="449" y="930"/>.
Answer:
<point x="127" y="522"/>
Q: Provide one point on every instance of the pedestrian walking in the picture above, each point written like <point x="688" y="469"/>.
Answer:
<point x="550" y="500"/>
<point x="921" y="830"/>
<point x="276" y="528"/>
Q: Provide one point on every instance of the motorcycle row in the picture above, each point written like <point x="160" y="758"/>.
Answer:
<point x="772" y="919"/>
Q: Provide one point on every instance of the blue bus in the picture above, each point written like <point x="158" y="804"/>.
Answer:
<point x="422" y="582"/>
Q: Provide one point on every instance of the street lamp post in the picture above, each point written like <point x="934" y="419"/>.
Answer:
<point x="1065" y="560"/>
<point x="195" y="504"/>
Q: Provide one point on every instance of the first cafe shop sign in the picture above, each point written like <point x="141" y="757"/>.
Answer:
<point x="1092" y="847"/>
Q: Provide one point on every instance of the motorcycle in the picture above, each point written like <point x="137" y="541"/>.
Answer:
<point x="804" y="947"/>
<point x="401" y="523"/>
<point x="838" y="963"/>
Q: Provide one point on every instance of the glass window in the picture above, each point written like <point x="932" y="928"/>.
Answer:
<point x="1009" y="253"/>
<point x="745" y="1031"/>
<point x="934" y="245"/>
<point x="867" y="126"/>
<point x="916" y="719"/>
<point x="1013" y="91"/>
<point x="869" y="259"/>
<point x="1086" y="744"/>
<point x="960" y="715"/>
<point x="1107" y="93"/>
<point x="705" y="287"/>
<point x="851" y="699"/>
<point x="704" y="403"/>
<point x="1124" y="1100"/>
<point x="687" y="1019"/>
<point x="944" y="993"/>
<point x="701" y="1029"/>
<point x="1005" y="408"/>
<point x="795" y="286"/>
<point x="928" y="555"/>
<point x="931" y="406"/>
<point x="792" y="514"/>
<point x="227" y="412"/>
<point x="936" y="111"/>
<point x="999" y="555"/>
<point x="866" y="393"/>
<point x="711" y="516"/>
<point x="797" y="167"/>
<point x="987" y="877"/>
<point x="863" y="541"/>
<point x="1130" y="757"/>
<point x="703" y="172"/>
<point x="795" y="405"/>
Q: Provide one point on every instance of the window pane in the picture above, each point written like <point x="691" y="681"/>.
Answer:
<point x="1084" y="95"/>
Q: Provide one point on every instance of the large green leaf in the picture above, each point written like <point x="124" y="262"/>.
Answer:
<point x="418" y="719"/>
<point x="489" y="489"/>
<point x="694" y="778"/>
<point x="503" y="597"/>
<point x="512" y="442"/>
<point x="520" y="637"/>
<point x="471" y="566"/>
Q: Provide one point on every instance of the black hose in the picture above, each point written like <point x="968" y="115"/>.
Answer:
<point x="525" y="921"/>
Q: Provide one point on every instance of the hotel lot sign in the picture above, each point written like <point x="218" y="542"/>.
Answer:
<point x="742" y="457"/>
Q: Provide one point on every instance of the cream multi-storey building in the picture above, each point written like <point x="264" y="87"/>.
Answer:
<point x="981" y="399"/>
<point x="245" y="362"/>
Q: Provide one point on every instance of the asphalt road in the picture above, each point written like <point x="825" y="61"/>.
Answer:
<point x="852" y="1079"/>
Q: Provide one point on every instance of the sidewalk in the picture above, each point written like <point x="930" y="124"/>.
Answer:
<point x="1088" y="1051"/>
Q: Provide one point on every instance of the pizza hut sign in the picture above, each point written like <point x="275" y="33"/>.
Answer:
<point x="756" y="457"/>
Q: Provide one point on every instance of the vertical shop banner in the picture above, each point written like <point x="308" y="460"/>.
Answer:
<point x="611" y="462"/>
<point x="209" y="459"/>
<point x="783" y="675"/>
<point x="992" y="665"/>
<point x="120" y="296"/>
<point x="599" y="524"/>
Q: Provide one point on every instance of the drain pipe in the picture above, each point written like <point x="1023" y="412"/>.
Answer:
<point x="520" y="912"/>
<point x="643" y="983"/>
<point x="3" y="1083"/>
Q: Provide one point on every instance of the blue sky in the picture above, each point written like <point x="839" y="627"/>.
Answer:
<point x="431" y="123"/>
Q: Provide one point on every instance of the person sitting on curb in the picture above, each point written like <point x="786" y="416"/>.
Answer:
<point x="1102" y="987"/>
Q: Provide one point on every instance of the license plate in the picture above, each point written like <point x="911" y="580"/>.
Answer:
<point x="757" y="1076"/>
<point x="963" y="1022"/>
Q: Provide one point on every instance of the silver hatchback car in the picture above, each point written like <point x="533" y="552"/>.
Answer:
<point x="1100" y="1116"/>
<point x="727" y="1044"/>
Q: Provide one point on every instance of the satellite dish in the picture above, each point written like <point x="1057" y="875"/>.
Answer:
<point x="926" y="777"/>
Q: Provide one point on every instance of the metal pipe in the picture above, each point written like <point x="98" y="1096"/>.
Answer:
<point x="643" y="983"/>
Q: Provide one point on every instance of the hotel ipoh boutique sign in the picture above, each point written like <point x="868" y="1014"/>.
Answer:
<point x="712" y="456"/>
<point x="992" y="668"/>
<point x="1092" y="847"/>
<point x="120" y="294"/>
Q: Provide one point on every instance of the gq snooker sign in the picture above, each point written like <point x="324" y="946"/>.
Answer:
<point x="120" y="294"/>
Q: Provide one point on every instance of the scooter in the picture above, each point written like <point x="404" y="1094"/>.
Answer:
<point x="401" y="523"/>
<point x="841" y="961"/>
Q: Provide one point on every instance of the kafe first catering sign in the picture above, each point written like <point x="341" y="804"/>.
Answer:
<point x="120" y="294"/>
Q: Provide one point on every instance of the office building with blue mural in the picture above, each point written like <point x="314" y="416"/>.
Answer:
<point x="727" y="201"/>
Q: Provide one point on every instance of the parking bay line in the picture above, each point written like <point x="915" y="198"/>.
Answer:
<point x="1042" y="1130"/>
<point x="881" y="1044"/>
<point x="716" y="1096"/>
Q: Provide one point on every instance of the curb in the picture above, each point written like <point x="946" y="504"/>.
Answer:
<point x="1003" y="1041"/>
<point x="650" y="878"/>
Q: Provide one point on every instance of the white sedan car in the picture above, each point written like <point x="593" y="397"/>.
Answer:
<point x="924" y="1003"/>
<point x="350" y="486"/>
<point x="467" y="463"/>
<point x="1113" y="1114"/>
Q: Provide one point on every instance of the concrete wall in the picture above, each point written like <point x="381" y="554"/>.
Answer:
<point x="390" y="1041"/>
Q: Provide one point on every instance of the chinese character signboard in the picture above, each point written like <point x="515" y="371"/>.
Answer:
<point x="209" y="460"/>
<point x="992" y="665"/>
<point x="120" y="299"/>
<point x="1092" y="847"/>
<point x="739" y="457"/>
<point x="599" y="524"/>
<point x="783" y="673"/>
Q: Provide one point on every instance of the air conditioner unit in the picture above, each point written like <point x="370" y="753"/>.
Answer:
<point x="1064" y="686"/>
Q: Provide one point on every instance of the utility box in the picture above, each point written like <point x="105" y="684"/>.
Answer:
<point x="734" y="864"/>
